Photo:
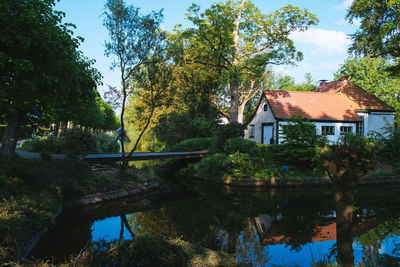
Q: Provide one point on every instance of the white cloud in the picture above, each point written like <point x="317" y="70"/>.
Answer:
<point x="323" y="42"/>
<point x="344" y="5"/>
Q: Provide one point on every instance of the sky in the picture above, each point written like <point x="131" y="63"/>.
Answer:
<point x="324" y="46"/>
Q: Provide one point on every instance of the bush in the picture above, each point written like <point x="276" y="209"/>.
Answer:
<point x="242" y="165"/>
<point x="233" y="145"/>
<point x="388" y="144"/>
<point x="76" y="141"/>
<point x="213" y="165"/>
<point x="299" y="132"/>
<point x="225" y="132"/>
<point x="194" y="144"/>
<point x="48" y="143"/>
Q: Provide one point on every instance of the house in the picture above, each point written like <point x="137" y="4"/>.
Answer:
<point x="222" y="117"/>
<point x="335" y="108"/>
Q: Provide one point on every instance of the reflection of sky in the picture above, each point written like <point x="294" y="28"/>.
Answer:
<point x="109" y="230"/>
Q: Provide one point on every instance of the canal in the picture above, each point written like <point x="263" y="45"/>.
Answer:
<point x="263" y="227"/>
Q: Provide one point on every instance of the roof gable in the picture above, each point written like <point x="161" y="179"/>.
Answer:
<point x="312" y="105"/>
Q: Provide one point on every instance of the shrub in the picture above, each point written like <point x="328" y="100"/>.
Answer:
<point x="242" y="165"/>
<point x="38" y="144"/>
<point x="299" y="131"/>
<point x="388" y="144"/>
<point x="225" y="132"/>
<point x="77" y="141"/>
<point x="214" y="165"/>
<point x="193" y="144"/>
<point x="233" y="145"/>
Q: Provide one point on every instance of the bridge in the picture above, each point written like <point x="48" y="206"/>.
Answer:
<point x="109" y="157"/>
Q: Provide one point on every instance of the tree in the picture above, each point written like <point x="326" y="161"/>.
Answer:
<point x="379" y="33"/>
<point x="287" y="83"/>
<point x="371" y="74"/>
<point x="41" y="71"/>
<point x="345" y="163"/>
<point x="236" y="39"/>
<point x="133" y="37"/>
<point x="153" y="82"/>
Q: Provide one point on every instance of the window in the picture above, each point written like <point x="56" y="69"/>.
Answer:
<point x="252" y="131"/>
<point x="360" y="127"/>
<point x="328" y="130"/>
<point x="346" y="129"/>
<point x="266" y="107"/>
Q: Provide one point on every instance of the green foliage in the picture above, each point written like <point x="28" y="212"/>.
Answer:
<point x="42" y="71"/>
<point x="287" y="83"/>
<point x="193" y="144"/>
<point x="39" y="144"/>
<point x="213" y="165"/>
<point x="30" y="196"/>
<point x="242" y="165"/>
<point x="145" y="250"/>
<point x="371" y="74"/>
<point x="176" y="127"/>
<point x="225" y="132"/>
<point x="106" y="143"/>
<point x="379" y="23"/>
<point x="74" y="141"/>
<point x="237" y="144"/>
<point x="299" y="131"/>
<point x="388" y="144"/>
<point x="238" y="41"/>
<point x="349" y="159"/>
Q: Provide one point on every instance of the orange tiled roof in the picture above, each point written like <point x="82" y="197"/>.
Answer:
<point x="361" y="99"/>
<point x="327" y="106"/>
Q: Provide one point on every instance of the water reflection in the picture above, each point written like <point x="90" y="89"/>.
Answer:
<point x="264" y="228"/>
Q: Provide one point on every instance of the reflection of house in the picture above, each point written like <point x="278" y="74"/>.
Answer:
<point x="270" y="232"/>
<point x="335" y="108"/>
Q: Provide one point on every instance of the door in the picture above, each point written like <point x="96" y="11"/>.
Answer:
<point x="268" y="133"/>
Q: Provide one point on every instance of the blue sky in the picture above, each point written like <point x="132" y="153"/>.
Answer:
<point x="324" y="46"/>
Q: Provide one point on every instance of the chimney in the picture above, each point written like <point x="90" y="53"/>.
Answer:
<point x="322" y="82"/>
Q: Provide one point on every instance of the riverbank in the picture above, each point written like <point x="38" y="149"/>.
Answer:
<point x="296" y="181"/>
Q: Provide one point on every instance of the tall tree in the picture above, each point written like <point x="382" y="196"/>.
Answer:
<point x="133" y="37"/>
<point x="40" y="67"/>
<point x="371" y="74"/>
<point x="153" y="83"/>
<point x="379" y="33"/>
<point x="240" y="41"/>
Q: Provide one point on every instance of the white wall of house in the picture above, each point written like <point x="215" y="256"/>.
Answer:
<point x="260" y="117"/>
<point x="379" y="121"/>
<point x="332" y="138"/>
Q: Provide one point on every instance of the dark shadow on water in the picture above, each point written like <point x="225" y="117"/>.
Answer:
<point x="254" y="225"/>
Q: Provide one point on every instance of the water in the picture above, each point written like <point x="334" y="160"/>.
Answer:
<point x="265" y="227"/>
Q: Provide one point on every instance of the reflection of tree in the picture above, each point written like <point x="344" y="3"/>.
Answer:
<point x="249" y="249"/>
<point x="372" y="240"/>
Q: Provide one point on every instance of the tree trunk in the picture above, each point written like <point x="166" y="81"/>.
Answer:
<point x="241" y="112"/>
<point x="344" y="200"/>
<point x="9" y="140"/>
<point x="234" y="93"/>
